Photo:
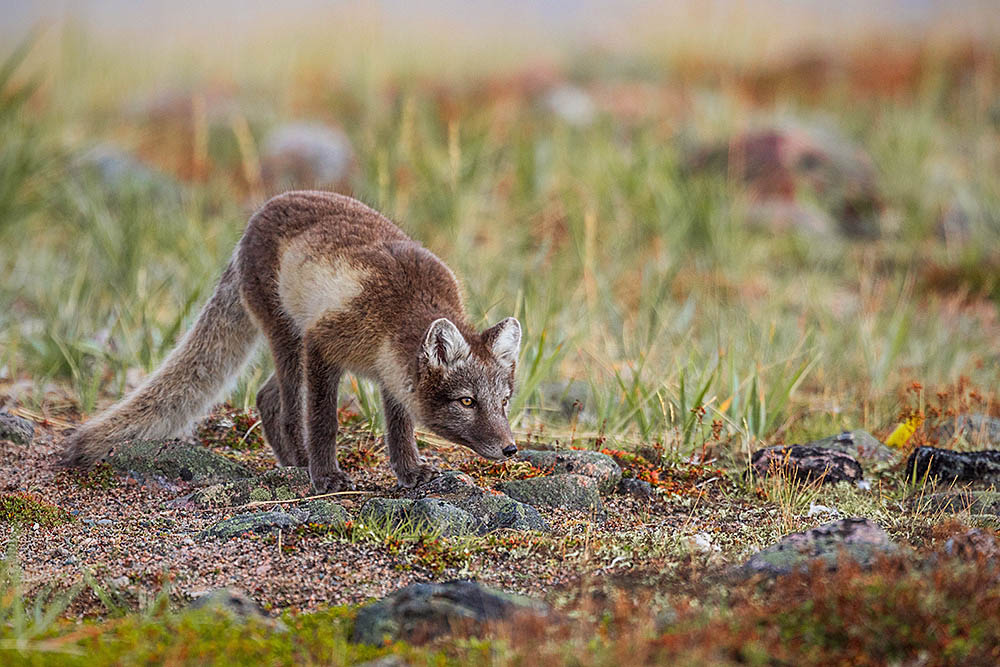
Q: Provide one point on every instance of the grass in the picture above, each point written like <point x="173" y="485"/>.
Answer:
<point x="676" y="330"/>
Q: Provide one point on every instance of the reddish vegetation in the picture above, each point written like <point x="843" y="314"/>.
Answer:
<point x="674" y="481"/>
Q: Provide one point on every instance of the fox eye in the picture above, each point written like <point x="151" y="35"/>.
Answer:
<point x="506" y="400"/>
<point x="467" y="401"/>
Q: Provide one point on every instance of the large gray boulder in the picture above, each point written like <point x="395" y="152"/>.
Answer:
<point x="858" y="444"/>
<point x="306" y="155"/>
<point x="421" y="612"/>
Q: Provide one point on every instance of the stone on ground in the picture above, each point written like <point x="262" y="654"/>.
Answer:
<point x="600" y="466"/>
<point x="299" y="155"/>
<point x="978" y="430"/>
<point x="421" y="612"/>
<point x="15" y="429"/>
<point x="953" y="502"/>
<point x="253" y="522"/>
<point x="567" y="491"/>
<point x="282" y="483"/>
<point x="947" y="466"/>
<point x="174" y="459"/>
<point x="857" y="538"/>
<point x="859" y="444"/>
<point x="428" y="514"/>
<point x="806" y="464"/>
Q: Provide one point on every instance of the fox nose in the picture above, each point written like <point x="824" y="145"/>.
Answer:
<point x="510" y="450"/>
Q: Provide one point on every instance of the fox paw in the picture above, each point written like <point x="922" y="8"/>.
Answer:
<point x="332" y="482"/>
<point x="414" y="477"/>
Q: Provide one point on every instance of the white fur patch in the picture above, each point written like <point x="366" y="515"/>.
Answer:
<point x="310" y="288"/>
<point x="391" y="373"/>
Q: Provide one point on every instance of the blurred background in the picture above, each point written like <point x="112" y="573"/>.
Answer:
<point x="722" y="222"/>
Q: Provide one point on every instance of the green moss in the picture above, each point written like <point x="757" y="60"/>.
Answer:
<point x="23" y="509"/>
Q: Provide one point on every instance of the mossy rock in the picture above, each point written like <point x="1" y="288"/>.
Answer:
<point x="567" y="491"/>
<point x="424" y="611"/>
<point x="498" y="511"/>
<point x="597" y="465"/>
<point x="857" y="538"/>
<point x="432" y="515"/>
<point x="16" y="429"/>
<point x="392" y="511"/>
<point x="174" y="459"/>
<point x="324" y="512"/>
<point x="252" y="522"/>
<point x="283" y="483"/>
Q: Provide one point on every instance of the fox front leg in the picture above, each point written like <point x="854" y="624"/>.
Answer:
<point x="410" y="468"/>
<point x="321" y="423"/>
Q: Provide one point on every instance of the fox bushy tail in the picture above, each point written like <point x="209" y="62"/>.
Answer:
<point x="185" y="385"/>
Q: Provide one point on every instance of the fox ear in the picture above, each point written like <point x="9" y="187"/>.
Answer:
<point x="444" y="344"/>
<point x="504" y="340"/>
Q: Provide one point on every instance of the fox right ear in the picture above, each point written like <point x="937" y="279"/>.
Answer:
<point x="444" y="345"/>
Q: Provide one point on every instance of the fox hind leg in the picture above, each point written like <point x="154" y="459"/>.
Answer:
<point x="269" y="409"/>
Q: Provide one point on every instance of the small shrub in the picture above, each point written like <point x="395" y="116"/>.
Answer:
<point x="23" y="509"/>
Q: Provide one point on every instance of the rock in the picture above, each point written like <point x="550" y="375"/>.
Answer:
<point x="324" y="512"/>
<point x="777" y="163"/>
<point x="637" y="488"/>
<point x="567" y="491"/>
<point x="421" y="612"/>
<point x="973" y="545"/>
<point x="570" y="398"/>
<point x="490" y="510"/>
<point x="858" y="444"/>
<point x="16" y="429"/>
<point x="858" y="538"/>
<point x="946" y="465"/>
<point x="235" y="603"/>
<point x="281" y="483"/>
<point x="433" y="515"/>
<point x="253" y="522"/>
<point x="972" y="501"/>
<point x="600" y="466"/>
<point x="571" y="104"/>
<point x="298" y="155"/>
<point x="174" y="459"/>
<point x="119" y="171"/>
<point x="391" y="511"/>
<point x="442" y="518"/>
<point x="977" y="430"/>
<point x="807" y="463"/>
<point x="390" y="660"/>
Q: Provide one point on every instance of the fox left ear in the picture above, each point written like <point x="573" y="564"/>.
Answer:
<point x="504" y="340"/>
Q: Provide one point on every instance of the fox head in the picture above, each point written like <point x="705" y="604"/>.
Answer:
<point x="464" y="385"/>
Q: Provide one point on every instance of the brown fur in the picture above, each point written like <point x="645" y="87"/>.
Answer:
<point x="384" y="332"/>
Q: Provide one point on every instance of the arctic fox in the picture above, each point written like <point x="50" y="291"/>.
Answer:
<point x="334" y="286"/>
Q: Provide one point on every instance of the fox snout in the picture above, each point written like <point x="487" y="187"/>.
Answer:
<point x="510" y="450"/>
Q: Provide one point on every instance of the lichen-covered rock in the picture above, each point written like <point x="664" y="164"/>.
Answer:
<point x="945" y="465"/>
<point x="298" y="155"/>
<point x="637" y="488"/>
<point x="597" y="465"/>
<point x="806" y="464"/>
<point x="447" y="482"/>
<point x="172" y="458"/>
<point x="16" y="429"/>
<point x="421" y="612"/>
<point x="441" y="517"/>
<point x="230" y="600"/>
<point x="253" y="522"/>
<point x="282" y="483"/>
<point x="859" y="444"/>
<point x="977" y="430"/>
<point x="390" y="511"/>
<point x="491" y="510"/>
<point x="856" y="538"/>
<point x="975" y="544"/>
<point x="324" y="512"/>
<point x="567" y="491"/>
<point x="953" y="502"/>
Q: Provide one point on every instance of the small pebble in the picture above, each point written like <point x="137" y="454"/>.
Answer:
<point x="105" y="522"/>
